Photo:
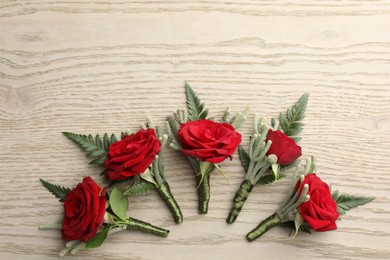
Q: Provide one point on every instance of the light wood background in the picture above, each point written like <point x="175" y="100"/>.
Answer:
<point x="103" y="66"/>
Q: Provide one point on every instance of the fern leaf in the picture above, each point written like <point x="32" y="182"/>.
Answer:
<point x="95" y="148"/>
<point x="113" y="139"/>
<point x="106" y="142"/>
<point x="196" y="109"/>
<point x="58" y="191"/>
<point x="117" y="183"/>
<point x="244" y="157"/>
<point x="140" y="189"/>
<point x="345" y="202"/>
<point x="290" y="121"/>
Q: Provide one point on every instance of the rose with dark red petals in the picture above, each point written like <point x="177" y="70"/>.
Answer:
<point x="132" y="155"/>
<point x="208" y="140"/>
<point x="283" y="147"/>
<point x="85" y="206"/>
<point x="320" y="212"/>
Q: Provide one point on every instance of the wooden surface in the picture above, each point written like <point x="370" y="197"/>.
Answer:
<point x="95" y="67"/>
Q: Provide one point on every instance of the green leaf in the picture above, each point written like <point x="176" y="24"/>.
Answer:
<point x="113" y="139"/>
<point x="270" y="178"/>
<point x="219" y="168"/>
<point x="290" y="120"/>
<point x="94" y="148"/>
<point x="98" y="239"/>
<point x="291" y="225"/>
<point x="140" y="189"/>
<point x="298" y="223"/>
<point x="244" y="157"/>
<point x="119" y="203"/>
<point x="237" y="120"/>
<point x="205" y="168"/>
<point x="335" y="195"/>
<point x="58" y="191"/>
<point x="114" y="183"/>
<point x="345" y="202"/>
<point x="106" y="142"/>
<point x="148" y="176"/>
<point x="196" y="109"/>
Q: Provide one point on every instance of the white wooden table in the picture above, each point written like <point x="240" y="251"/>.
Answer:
<point x="95" y="67"/>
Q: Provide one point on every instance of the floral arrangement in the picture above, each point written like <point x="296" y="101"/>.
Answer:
<point x="269" y="148"/>
<point x="91" y="214"/>
<point x="310" y="204"/>
<point x="204" y="142"/>
<point x="133" y="166"/>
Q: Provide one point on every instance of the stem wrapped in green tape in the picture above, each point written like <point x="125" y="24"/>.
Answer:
<point x="203" y="185"/>
<point x="264" y="226"/>
<point x="135" y="224"/>
<point x="166" y="195"/>
<point x="239" y="200"/>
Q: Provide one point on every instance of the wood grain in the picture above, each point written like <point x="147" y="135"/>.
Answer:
<point x="103" y="66"/>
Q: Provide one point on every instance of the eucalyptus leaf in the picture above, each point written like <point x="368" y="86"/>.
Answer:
<point x="119" y="203"/>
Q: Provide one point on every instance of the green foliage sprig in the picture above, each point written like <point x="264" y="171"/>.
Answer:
<point x="196" y="109"/>
<point x="345" y="202"/>
<point x="290" y="121"/>
<point x="57" y="190"/>
<point x="96" y="148"/>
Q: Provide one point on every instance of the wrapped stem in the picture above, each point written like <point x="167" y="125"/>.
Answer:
<point x="264" y="226"/>
<point x="166" y="195"/>
<point x="203" y="192"/>
<point x="135" y="224"/>
<point x="239" y="200"/>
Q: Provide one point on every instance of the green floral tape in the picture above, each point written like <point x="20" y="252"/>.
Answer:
<point x="239" y="200"/>
<point x="203" y="192"/>
<point x="135" y="224"/>
<point x="166" y="195"/>
<point x="264" y="226"/>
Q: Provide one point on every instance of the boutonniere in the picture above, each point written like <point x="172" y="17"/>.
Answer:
<point x="133" y="163"/>
<point x="309" y="205"/>
<point x="91" y="214"/>
<point x="269" y="148"/>
<point x="204" y="142"/>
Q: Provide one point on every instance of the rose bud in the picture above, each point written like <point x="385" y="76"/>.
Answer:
<point x="283" y="147"/>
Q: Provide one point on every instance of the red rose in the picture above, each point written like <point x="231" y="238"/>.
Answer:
<point x="283" y="147"/>
<point x="132" y="155"/>
<point x="84" y="206"/>
<point x="208" y="140"/>
<point x="321" y="210"/>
